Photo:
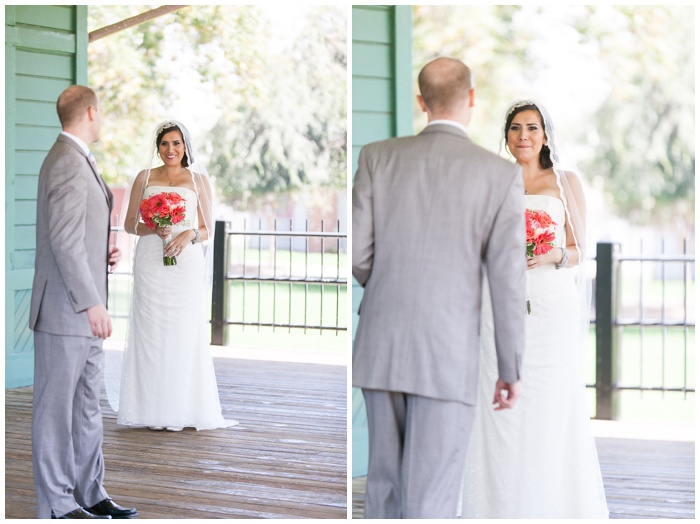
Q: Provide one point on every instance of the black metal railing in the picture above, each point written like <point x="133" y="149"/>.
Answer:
<point x="613" y="318"/>
<point x="239" y="267"/>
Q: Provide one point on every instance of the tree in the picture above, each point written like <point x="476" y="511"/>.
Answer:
<point x="293" y="134"/>
<point x="643" y="146"/>
<point x="623" y="79"/>
<point x="281" y="121"/>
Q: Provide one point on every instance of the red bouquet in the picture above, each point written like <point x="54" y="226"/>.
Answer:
<point x="539" y="232"/>
<point x="539" y="235"/>
<point x="161" y="210"/>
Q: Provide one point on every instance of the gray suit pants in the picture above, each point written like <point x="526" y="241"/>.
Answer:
<point x="67" y="423"/>
<point x="417" y="453"/>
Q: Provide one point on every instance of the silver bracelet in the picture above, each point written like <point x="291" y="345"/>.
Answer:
<point x="196" y="236"/>
<point x="564" y="258"/>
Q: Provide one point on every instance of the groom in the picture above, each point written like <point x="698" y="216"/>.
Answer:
<point x="70" y="320"/>
<point x="429" y="213"/>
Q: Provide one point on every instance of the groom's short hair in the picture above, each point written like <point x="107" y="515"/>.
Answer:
<point x="444" y="83"/>
<point x="73" y="103"/>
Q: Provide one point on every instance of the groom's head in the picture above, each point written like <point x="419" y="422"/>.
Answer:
<point x="78" y="110"/>
<point x="446" y="90"/>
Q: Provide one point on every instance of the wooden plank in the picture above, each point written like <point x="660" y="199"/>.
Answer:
<point x="22" y="365"/>
<point x="23" y="337"/>
<point x="25" y="235"/>
<point x="46" y="65"/>
<point x="52" y="17"/>
<point x="370" y="127"/>
<point x="25" y="215"/>
<point x="35" y="138"/>
<point x="20" y="278"/>
<point x="286" y="459"/>
<point x="371" y="59"/>
<point x="43" y="89"/>
<point x="26" y="187"/>
<point x="29" y="162"/>
<point x="372" y="23"/>
<point x="44" y="40"/>
<point x="31" y="112"/>
<point x="643" y="479"/>
<point x="22" y="259"/>
<point x="372" y="94"/>
<point x="403" y="70"/>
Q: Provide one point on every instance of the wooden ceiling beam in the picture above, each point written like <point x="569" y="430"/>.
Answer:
<point x="133" y="21"/>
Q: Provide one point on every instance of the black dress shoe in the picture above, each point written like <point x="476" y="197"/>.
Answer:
<point x="110" y="508"/>
<point x="80" y="513"/>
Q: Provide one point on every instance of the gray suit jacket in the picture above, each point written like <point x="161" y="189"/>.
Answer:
<point x="429" y="213"/>
<point x="72" y="236"/>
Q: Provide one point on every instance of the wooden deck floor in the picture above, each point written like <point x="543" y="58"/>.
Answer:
<point x="643" y="479"/>
<point x="286" y="459"/>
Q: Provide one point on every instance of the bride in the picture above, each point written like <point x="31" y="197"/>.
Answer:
<point x="539" y="460"/>
<point x="168" y="379"/>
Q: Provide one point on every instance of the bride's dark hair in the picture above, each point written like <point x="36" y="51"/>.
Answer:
<point x="167" y="128"/>
<point x="545" y="154"/>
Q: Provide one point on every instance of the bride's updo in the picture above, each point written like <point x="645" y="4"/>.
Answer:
<point x="545" y="153"/>
<point x="172" y="126"/>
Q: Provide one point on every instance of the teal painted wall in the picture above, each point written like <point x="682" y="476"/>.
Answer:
<point x="45" y="52"/>
<point x="382" y="107"/>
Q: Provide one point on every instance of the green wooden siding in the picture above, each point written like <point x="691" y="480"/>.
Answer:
<point x="45" y="52"/>
<point x="382" y="107"/>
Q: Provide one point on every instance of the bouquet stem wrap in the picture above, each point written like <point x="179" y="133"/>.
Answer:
<point x="168" y="261"/>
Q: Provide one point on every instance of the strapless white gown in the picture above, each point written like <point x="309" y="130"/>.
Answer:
<point x="168" y="373"/>
<point x="539" y="459"/>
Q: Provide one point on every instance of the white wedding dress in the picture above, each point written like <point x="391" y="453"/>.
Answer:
<point x="168" y="372"/>
<point x="537" y="460"/>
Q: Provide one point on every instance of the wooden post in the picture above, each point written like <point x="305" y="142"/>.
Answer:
<point x="604" y="328"/>
<point x="218" y="292"/>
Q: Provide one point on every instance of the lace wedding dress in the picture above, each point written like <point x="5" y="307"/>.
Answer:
<point x="168" y="372"/>
<point x="537" y="460"/>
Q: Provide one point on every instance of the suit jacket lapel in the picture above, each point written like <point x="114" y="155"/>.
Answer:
<point x="105" y="188"/>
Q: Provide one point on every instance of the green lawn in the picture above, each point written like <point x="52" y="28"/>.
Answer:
<point x="284" y="304"/>
<point x="657" y="359"/>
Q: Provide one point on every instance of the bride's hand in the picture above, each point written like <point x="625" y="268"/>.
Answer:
<point x="552" y="257"/>
<point x="164" y="232"/>
<point x="178" y="244"/>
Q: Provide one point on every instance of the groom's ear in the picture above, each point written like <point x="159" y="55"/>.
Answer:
<point x="421" y="103"/>
<point x="471" y="97"/>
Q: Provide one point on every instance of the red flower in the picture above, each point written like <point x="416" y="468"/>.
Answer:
<point x="539" y="232"/>
<point x="163" y="209"/>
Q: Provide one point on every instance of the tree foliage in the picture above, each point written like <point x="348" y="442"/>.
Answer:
<point x="280" y="118"/>
<point x="294" y="134"/>
<point x="644" y="154"/>
<point x="625" y="78"/>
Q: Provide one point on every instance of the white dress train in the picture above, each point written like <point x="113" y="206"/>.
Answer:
<point x="167" y="372"/>
<point x="539" y="459"/>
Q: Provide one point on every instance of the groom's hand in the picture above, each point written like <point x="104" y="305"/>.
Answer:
<point x="100" y="321"/>
<point x="506" y="394"/>
<point x="115" y="255"/>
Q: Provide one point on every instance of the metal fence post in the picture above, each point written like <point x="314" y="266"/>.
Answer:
<point x="604" y="330"/>
<point x="218" y="295"/>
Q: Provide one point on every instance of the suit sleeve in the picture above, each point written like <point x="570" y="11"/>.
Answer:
<point x="506" y="266"/>
<point x="67" y="198"/>
<point x="362" y="222"/>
